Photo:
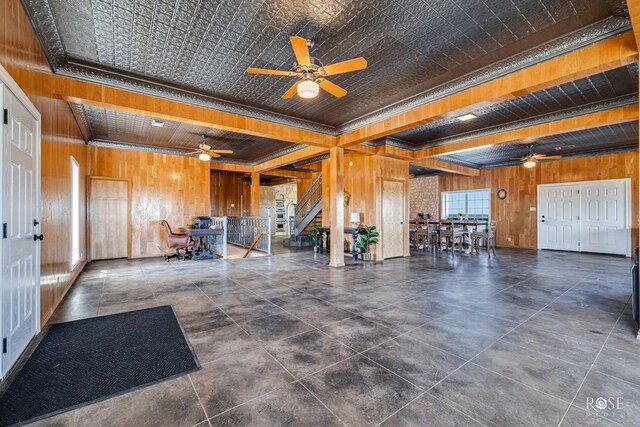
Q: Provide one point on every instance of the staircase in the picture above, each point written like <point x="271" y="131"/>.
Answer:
<point x="309" y="207"/>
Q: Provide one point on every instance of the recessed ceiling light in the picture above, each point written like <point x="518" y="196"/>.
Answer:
<point x="157" y="123"/>
<point x="466" y="117"/>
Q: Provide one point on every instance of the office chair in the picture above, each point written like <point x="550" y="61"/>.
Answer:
<point x="179" y="242"/>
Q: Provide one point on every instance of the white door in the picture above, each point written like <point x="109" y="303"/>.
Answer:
<point x="559" y="217"/>
<point x="393" y="219"/>
<point x="604" y="217"/>
<point x="20" y="213"/>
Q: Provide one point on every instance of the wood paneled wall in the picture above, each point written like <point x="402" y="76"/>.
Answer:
<point x="363" y="177"/>
<point x="227" y="189"/>
<point x="21" y="55"/>
<point x="174" y="188"/>
<point x="515" y="219"/>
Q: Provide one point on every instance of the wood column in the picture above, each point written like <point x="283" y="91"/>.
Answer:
<point x="336" y="206"/>
<point x="255" y="194"/>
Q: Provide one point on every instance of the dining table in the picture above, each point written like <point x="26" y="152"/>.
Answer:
<point x="468" y="226"/>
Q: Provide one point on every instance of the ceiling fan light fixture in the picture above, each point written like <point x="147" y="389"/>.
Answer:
<point x="308" y="89"/>
<point x="467" y="117"/>
<point x="529" y="164"/>
<point x="205" y="157"/>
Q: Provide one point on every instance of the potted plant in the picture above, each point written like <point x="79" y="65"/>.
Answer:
<point x="367" y="236"/>
<point x="314" y="235"/>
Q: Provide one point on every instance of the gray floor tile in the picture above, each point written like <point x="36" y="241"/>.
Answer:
<point x="553" y="376"/>
<point x="276" y="327"/>
<point x="235" y="379"/>
<point x="577" y="417"/>
<point x="397" y="318"/>
<point x="495" y="399"/>
<point x="421" y="364"/>
<point x="172" y="402"/>
<point x="619" y="364"/>
<point x="292" y="405"/>
<point x="308" y="352"/>
<point x="360" y="392"/>
<point x="359" y="333"/>
<point x="220" y="342"/>
<point x="567" y="348"/>
<point x="427" y="410"/>
<point x="624" y="407"/>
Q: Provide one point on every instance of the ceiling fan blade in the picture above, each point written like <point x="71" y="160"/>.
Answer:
<point x="543" y="157"/>
<point x="301" y="50"/>
<point x="332" y="88"/>
<point x="222" y="151"/>
<point x="214" y="154"/>
<point x="346" y="66"/>
<point x="193" y="152"/>
<point x="291" y="91"/>
<point x="266" y="71"/>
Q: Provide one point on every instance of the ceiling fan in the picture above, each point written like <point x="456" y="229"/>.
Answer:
<point x="311" y="73"/>
<point x="531" y="158"/>
<point x="205" y="152"/>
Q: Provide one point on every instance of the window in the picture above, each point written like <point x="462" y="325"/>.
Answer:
<point x="472" y="203"/>
<point x="75" y="213"/>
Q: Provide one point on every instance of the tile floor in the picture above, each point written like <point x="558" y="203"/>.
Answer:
<point x="526" y="338"/>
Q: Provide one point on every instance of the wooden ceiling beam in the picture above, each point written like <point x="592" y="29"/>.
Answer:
<point x="446" y="167"/>
<point x="608" y="54"/>
<point x="279" y="182"/>
<point x="572" y="124"/>
<point x="231" y="167"/>
<point x="286" y="173"/>
<point x="287" y="159"/>
<point x="634" y="13"/>
<point x="81" y="92"/>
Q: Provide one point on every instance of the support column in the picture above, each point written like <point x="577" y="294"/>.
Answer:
<point x="255" y="194"/>
<point x="336" y="206"/>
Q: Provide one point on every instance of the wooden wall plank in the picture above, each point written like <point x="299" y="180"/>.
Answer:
<point x="21" y="55"/>
<point x="515" y="220"/>
<point x="174" y="188"/>
<point x="229" y="194"/>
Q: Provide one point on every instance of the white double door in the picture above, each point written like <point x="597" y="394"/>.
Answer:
<point x="590" y="216"/>
<point x="20" y="252"/>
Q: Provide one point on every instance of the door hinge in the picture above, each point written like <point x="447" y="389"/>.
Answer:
<point x="578" y="243"/>
<point x="4" y="230"/>
<point x="4" y="345"/>
<point x="5" y="118"/>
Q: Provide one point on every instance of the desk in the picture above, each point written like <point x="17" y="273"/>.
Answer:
<point x="205" y="242"/>
<point x="327" y="232"/>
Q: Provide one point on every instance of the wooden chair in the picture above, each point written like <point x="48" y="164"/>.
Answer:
<point x="449" y="235"/>
<point x="422" y="237"/>
<point x="489" y="237"/>
<point x="179" y="242"/>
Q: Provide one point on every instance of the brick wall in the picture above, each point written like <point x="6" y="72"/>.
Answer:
<point x="423" y="196"/>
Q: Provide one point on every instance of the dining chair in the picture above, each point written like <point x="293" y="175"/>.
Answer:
<point x="449" y="234"/>
<point x="489" y="237"/>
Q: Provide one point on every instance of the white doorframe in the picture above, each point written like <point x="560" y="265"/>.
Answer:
<point x="627" y="195"/>
<point x="7" y="81"/>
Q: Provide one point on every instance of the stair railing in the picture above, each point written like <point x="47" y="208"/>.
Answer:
<point x="309" y="199"/>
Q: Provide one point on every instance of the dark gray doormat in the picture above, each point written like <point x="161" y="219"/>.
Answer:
<point x="88" y="360"/>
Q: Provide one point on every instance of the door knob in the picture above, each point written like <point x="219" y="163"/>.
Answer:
<point x="35" y="223"/>
<point x="37" y="237"/>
